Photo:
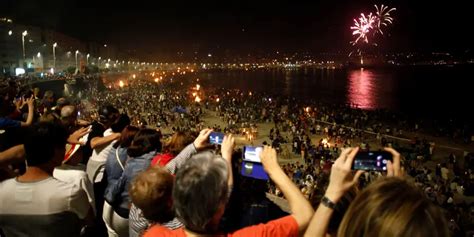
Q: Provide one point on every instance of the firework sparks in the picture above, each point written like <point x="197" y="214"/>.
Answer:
<point x="383" y="17"/>
<point x="365" y="24"/>
<point x="362" y="27"/>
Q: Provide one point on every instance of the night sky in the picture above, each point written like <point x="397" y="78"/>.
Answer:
<point x="243" y="27"/>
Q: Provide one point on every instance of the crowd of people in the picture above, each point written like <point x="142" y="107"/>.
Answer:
<point x="136" y="161"/>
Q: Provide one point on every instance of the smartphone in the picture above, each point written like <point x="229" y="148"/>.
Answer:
<point x="252" y="153"/>
<point x="371" y="160"/>
<point x="253" y="170"/>
<point x="216" y="138"/>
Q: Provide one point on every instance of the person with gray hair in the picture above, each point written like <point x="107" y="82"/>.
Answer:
<point x="202" y="188"/>
<point x="68" y="115"/>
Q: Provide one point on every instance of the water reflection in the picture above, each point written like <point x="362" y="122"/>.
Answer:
<point x="362" y="91"/>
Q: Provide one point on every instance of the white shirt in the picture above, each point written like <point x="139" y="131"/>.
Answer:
<point x="101" y="155"/>
<point x="444" y="173"/>
<point x="48" y="207"/>
<point x="76" y="175"/>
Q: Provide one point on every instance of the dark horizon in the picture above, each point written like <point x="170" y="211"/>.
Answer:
<point x="157" y="29"/>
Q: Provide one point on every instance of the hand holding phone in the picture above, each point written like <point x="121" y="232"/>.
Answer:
<point x="216" y="138"/>
<point x="252" y="164"/>
<point x="372" y="160"/>
<point x="252" y="153"/>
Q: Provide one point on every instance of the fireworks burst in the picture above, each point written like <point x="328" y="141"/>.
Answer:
<point x="364" y="25"/>
<point x="383" y="17"/>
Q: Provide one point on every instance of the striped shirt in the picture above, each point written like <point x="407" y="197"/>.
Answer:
<point x="137" y="223"/>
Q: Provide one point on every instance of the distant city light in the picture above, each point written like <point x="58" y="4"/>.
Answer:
<point x="38" y="55"/>
<point x="10" y="32"/>
<point x="121" y="84"/>
<point x="209" y="55"/>
<point x="198" y="86"/>
<point x="197" y="99"/>
<point x="134" y="76"/>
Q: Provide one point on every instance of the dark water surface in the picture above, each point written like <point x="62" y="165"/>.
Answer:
<point x="422" y="91"/>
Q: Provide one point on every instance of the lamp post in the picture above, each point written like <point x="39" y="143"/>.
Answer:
<point x="77" y="52"/>
<point x="54" y="55"/>
<point x="25" y="33"/>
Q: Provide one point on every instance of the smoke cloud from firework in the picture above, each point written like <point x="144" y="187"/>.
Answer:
<point x="371" y="24"/>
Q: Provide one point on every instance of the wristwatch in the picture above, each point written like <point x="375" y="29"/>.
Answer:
<point x="328" y="203"/>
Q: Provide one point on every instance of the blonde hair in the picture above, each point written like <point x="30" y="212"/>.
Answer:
<point x="393" y="207"/>
<point x="178" y="142"/>
<point x="151" y="192"/>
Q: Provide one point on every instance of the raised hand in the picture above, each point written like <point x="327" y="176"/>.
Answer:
<point x="202" y="141"/>
<point x="75" y="137"/>
<point x="341" y="178"/>
<point x="394" y="168"/>
<point x="228" y="147"/>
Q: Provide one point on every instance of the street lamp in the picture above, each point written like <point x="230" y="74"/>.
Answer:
<point x="87" y="59"/>
<point x="10" y="32"/>
<point x="77" y="52"/>
<point x="54" y="54"/>
<point x="25" y="33"/>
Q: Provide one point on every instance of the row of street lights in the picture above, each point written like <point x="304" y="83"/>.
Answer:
<point x="25" y="33"/>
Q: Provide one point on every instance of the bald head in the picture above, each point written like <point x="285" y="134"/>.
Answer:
<point x="68" y="115"/>
<point x="68" y="111"/>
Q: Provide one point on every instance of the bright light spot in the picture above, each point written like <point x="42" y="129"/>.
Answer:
<point x="121" y="84"/>
<point x="10" y="32"/>
<point x="134" y="76"/>
<point x="250" y="93"/>
<point x="307" y="109"/>
<point x="156" y="79"/>
<point x="209" y="55"/>
<point x="217" y="100"/>
<point x="38" y="55"/>
<point x="194" y="93"/>
<point x="52" y="70"/>
<point x="192" y="70"/>
<point x="197" y="99"/>
<point x="19" y="71"/>
<point x="198" y="86"/>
